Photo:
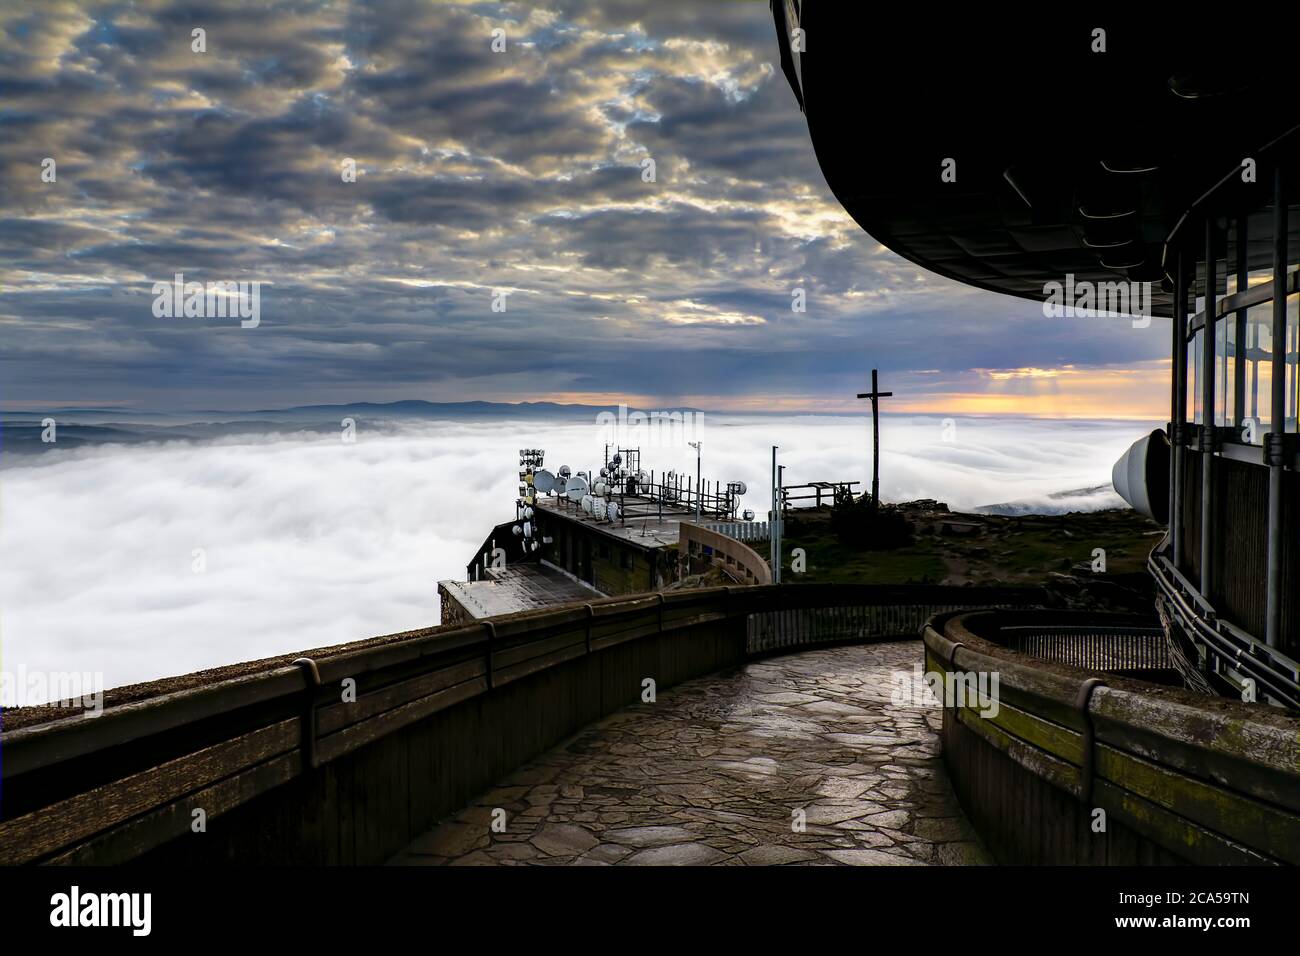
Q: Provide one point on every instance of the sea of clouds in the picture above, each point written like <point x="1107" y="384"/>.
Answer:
<point x="309" y="541"/>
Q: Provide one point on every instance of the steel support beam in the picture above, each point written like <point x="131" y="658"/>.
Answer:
<point x="1208" y="434"/>
<point x="1239" y="338"/>
<point x="1178" y="410"/>
<point x="1277" y="430"/>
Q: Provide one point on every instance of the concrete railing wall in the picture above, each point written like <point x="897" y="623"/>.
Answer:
<point x="738" y="560"/>
<point x="1075" y="766"/>
<point x="347" y="758"/>
<point x="286" y="766"/>
<point x="284" y="770"/>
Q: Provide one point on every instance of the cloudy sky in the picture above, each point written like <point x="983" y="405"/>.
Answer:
<point x="477" y="172"/>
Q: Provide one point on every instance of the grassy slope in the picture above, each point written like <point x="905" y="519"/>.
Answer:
<point x="1024" y="550"/>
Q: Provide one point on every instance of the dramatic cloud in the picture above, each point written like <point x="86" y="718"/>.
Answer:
<point x="312" y="542"/>
<point x="476" y="172"/>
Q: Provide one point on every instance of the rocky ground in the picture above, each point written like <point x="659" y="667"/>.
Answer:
<point x="803" y="759"/>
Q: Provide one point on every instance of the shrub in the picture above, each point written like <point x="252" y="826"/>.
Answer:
<point x="863" y="528"/>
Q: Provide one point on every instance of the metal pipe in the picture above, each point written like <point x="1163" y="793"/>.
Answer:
<point x="1178" y="438"/>
<point x="699" y="450"/>
<point x="1208" y="433"/>
<point x="1273" y="443"/>
<point x="772" y="541"/>
<point x="780" y="525"/>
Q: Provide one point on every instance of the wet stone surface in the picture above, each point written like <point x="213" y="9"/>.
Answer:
<point x="713" y="772"/>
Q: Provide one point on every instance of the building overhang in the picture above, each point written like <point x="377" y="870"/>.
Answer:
<point x="1061" y="160"/>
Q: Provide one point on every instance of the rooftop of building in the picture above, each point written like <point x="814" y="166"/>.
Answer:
<point x="644" y="522"/>
<point x="518" y="587"/>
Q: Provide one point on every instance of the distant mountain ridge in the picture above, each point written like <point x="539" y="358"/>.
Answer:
<point x="406" y="408"/>
<point x="1094" y="498"/>
<point x="21" y="431"/>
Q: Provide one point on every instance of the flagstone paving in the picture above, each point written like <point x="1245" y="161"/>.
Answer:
<point x="798" y="760"/>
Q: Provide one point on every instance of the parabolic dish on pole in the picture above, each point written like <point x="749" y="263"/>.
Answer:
<point x="575" y="488"/>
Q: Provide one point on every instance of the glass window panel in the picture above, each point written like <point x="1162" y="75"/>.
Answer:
<point x="1259" y="276"/>
<point x="1293" y="346"/>
<point x="1259" y="367"/>
<point x="1194" y="377"/>
<point x="1224" y="384"/>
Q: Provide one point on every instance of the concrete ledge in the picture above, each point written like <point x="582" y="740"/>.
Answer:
<point x="348" y="756"/>
<point x="1179" y="777"/>
<point x="738" y="560"/>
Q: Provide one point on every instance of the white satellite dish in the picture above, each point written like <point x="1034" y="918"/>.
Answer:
<point x="528" y="529"/>
<point x="544" y="482"/>
<point x="564" y="471"/>
<point x="575" y="488"/>
<point x="600" y="488"/>
<point x="740" y="486"/>
<point x="560" y="485"/>
<point x="517" y="530"/>
<point x="611" y="511"/>
<point x="747" y="514"/>
<point x="587" y="503"/>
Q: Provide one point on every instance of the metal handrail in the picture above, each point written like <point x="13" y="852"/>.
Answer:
<point x="1243" y="299"/>
<point x="1267" y="666"/>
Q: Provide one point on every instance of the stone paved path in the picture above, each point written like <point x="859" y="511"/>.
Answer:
<point x="713" y="772"/>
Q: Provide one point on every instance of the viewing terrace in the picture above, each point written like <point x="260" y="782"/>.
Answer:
<point x="787" y="704"/>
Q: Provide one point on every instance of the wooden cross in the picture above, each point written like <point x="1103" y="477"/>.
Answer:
<point x="875" y="395"/>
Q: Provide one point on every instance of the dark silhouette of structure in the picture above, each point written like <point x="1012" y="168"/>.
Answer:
<point x="1149" y="163"/>
<point x="875" y="395"/>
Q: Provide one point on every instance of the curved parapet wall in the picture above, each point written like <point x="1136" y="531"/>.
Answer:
<point x="1077" y="766"/>
<point x="347" y="757"/>
<point x="738" y="560"/>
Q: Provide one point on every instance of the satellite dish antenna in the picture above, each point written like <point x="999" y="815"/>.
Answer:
<point x="575" y="488"/>
<point x="747" y="514"/>
<point x="617" y="459"/>
<point x="600" y="487"/>
<point x="544" y="482"/>
<point x="517" y="530"/>
<point x="587" y="503"/>
<point x="564" y="471"/>
<point x="611" y="511"/>
<point x="739" y="486"/>
<point x="560" y="485"/>
<point x="528" y="529"/>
